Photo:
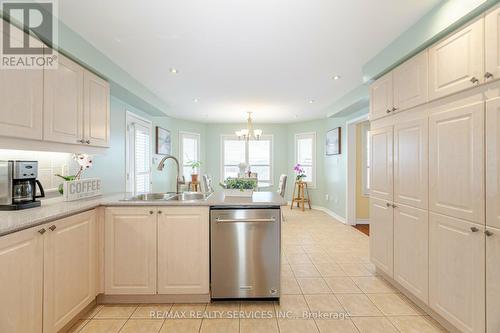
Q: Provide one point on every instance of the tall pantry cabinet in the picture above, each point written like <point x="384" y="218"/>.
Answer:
<point x="435" y="192"/>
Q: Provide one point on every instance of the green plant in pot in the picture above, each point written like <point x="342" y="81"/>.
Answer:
<point x="241" y="184"/>
<point x="194" y="165"/>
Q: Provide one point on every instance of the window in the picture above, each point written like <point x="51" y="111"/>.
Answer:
<point x="138" y="154"/>
<point x="305" y="155"/>
<point x="257" y="154"/>
<point x="365" y="135"/>
<point x="189" y="146"/>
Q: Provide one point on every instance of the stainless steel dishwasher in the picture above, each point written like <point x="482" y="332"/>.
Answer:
<point x="245" y="252"/>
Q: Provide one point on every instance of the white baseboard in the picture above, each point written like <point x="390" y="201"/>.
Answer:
<point x="326" y="210"/>
<point x="362" y="221"/>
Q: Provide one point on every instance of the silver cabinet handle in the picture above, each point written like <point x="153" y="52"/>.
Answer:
<point x="394" y="206"/>
<point x="219" y="220"/>
<point x="151" y="212"/>
<point x="52" y="227"/>
<point x="159" y="212"/>
<point x="80" y="141"/>
<point x="474" y="80"/>
<point x="387" y="111"/>
<point x="474" y="229"/>
<point x="87" y="142"/>
<point x="388" y="204"/>
<point x="488" y="75"/>
<point x="488" y="233"/>
<point x="42" y="231"/>
<point x="394" y="108"/>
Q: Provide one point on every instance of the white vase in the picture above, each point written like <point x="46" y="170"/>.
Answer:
<point x="238" y="193"/>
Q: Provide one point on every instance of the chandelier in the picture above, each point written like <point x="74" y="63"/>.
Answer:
<point x="249" y="133"/>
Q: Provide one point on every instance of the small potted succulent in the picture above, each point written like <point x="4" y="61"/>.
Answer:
<point x="239" y="187"/>
<point x="300" y="172"/>
<point x="194" y="165"/>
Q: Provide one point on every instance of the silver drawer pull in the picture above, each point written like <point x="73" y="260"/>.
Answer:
<point x="219" y="220"/>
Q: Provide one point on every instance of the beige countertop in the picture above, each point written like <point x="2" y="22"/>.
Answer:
<point x="53" y="209"/>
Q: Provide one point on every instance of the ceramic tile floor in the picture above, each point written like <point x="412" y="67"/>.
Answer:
<point x="325" y="271"/>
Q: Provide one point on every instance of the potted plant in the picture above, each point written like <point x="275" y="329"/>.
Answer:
<point x="300" y="172"/>
<point x="239" y="187"/>
<point x="84" y="161"/>
<point x="194" y="165"/>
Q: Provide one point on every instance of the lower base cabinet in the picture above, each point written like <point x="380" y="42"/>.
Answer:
<point x="457" y="272"/>
<point x="492" y="280"/>
<point x="382" y="235"/>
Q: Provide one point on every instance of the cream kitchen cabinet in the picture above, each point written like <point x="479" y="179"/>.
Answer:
<point x="457" y="62"/>
<point x="411" y="163"/>
<point x="381" y="97"/>
<point x="492" y="45"/>
<point x="183" y="250"/>
<point x="70" y="264"/>
<point x="456" y="162"/>
<point x="493" y="162"/>
<point x="381" y="147"/>
<point x="130" y="250"/>
<point x="21" y="281"/>
<point x="457" y="272"/>
<point x="96" y="113"/>
<point x="381" y="235"/>
<point x="410" y="82"/>
<point x="492" y="280"/>
<point x="411" y="250"/>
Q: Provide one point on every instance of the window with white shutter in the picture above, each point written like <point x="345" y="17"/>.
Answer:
<point x="189" y="146"/>
<point x="138" y="157"/>
<point x="305" y="155"/>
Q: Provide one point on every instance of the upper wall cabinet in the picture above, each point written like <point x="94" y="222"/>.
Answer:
<point x="96" y="110"/>
<point x="457" y="62"/>
<point x="492" y="43"/>
<point x="410" y="82"/>
<point x="381" y="97"/>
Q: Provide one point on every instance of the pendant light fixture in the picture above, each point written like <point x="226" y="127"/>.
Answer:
<point x="249" y="133"/>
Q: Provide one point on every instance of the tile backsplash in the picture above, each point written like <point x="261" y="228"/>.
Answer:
<point x="49" y="164"/>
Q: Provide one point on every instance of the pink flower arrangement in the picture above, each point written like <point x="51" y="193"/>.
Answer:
<point x="299" y="170"/>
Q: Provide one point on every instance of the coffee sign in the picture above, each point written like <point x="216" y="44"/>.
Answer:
<point x="80" y="189"/>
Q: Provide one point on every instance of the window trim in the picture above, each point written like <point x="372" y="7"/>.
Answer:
<point x="130" y="117"/>
<point x="311" y="184"/>
<point x="197" y="137"/>
<point x="269" y="137"/>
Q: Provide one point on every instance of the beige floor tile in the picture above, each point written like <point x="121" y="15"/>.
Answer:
<point x="374" y="325"/>
<point x="291" y="305"/>
<point x="416" y="324"/>
<point x="181" y="326"/>
<point x="355" y="269"/>
<point x="320" y="258"/>
<point x="223" y="309"/>
<point x="371" y="268"/>
<point x="298" y="258"/>
<point x="293" y="249"/>
<point x="289" y="286"/>
<point x="182" y="311"/>
<point x="312" y="286"/>
<point x="116" y="311"/>
<point x="92" y="312"/>
<point x="142" y="326"/>
<point x="342" y="285"/>
<point x="103" y="326"/>
<point x="259" y="326"/>
<point x="330" y="269"/>
<point x="152" y="311"/>
<point x="220" y="326"/>
<point x="393" y="304"/>
<point x="305" y="270"/>
<point x="324" y="304"/>
<point x="373" y="285"/>
<point x="78" y="326"/>
<point x="258" y="308"/>
<point x="336" y="326"/>
<point x="286" y="270"/>
<point x="297" y="326"/>
<point x="358" y="305"/>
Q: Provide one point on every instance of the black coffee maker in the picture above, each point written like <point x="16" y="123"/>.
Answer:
<point x="18" y="185"/>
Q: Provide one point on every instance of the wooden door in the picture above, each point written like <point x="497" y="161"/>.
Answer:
<point x="130" y="250"/>
<point x="63" y="102"/>
<point x="21" y="93"/>
<point x="492" y="45"/>
<point x="456" y="62"/>
<point x="411" y="250"/>
<point x="411" y="82"/>
<point x="96" y="110"/>
<point x="411" y="156"/>
<point x="456" y="162"/>
<point x="493" y="280"/>
<point x="381" y="235"/>
<point x="21" y="281"/>
<point x="381" y="180"/>
<point x="457" y="272"/>
<point x="381" y="97"/>
<point x="183" y="250"/>
<point x="69" y="269"/>
<point x="493" y="162"/>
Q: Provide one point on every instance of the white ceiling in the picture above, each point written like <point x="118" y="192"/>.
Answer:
<point x="267" y="56"/>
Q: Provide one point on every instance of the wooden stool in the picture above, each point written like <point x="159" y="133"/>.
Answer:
<point x="194" y="186"/>
<point x="302" y="190"/>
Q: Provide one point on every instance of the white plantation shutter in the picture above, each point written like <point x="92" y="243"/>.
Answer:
<point x="142" y="168"/>
<point x="305" y="155"/>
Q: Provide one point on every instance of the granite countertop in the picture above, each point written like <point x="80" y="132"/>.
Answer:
<point x="56" y="208"/>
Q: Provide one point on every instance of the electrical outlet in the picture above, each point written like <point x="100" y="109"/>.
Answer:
<point x="327" y="197"/>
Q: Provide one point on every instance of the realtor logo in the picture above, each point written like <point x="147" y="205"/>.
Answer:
<point x="24" y="26"/>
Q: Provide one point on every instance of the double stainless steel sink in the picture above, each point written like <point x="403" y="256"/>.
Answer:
<point x="170" y="196"/>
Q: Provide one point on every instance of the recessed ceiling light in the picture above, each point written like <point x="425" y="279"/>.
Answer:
<point x="173" y="70"/>
<point x="196" y="100"/>
<point x="336" y="77"/>
<point x="311" y="101"/>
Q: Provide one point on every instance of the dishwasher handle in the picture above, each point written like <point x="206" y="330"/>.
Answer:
<point x="219" y="220"/>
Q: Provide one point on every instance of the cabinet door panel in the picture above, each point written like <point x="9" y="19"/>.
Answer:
<point x="456" y="272"/>
<point x="493" y="162"/>
<point x="381" y="97"/>
<point x="455" y="60"/>
<point x="183" y="251"/>
<point x="456" y="162"/>
<point x="130" y="250"/>
<point x="21" y="281"/>
<point x="381" y="180"/>
<point x="96" y="110"/>
<point x="63" y="102"/>
<point x="410" y="82"/>
<point x="69" y="269"/>
<point x="492" y="44"/>
<point x="411" y="250"/>
<point x="411" y="158"/>
<point x="493" y="281"/>
<point x="381" y="235"/>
